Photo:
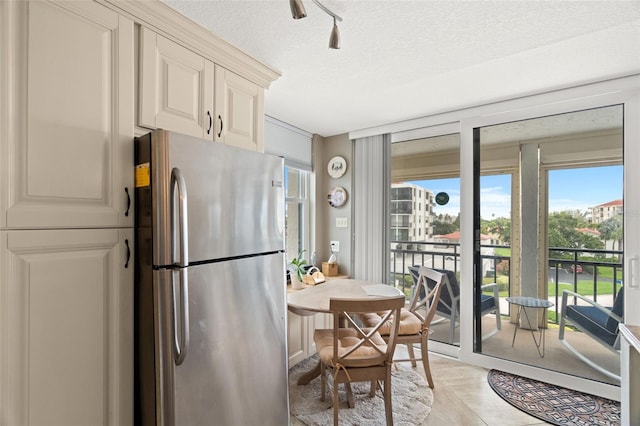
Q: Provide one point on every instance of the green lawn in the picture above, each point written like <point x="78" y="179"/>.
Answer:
<point x="585" y="287"/>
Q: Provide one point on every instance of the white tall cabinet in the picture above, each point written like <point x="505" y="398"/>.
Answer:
<point x="68" y="111"/>
<point x="70" y="106"/>
<point x="67" y="335"/>
<point x="66" y="225"/>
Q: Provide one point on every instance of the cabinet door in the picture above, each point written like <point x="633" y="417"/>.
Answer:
<point x="66" y="323"/>
<point x="297" y="335"/>
<point x="300" y="334"/>
<point x="239" y="111"/>
<point x="69" y="145"/>
<point x="176" y="87"/>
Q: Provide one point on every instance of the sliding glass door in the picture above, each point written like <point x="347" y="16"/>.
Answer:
<point x="425" y="221"/>
<point x="548" y="217"/>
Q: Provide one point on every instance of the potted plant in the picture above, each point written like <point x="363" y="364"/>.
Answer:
<point x="296" y="270"/>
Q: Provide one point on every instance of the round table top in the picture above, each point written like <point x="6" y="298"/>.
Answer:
<point x="315" y="299"/>
<point x="529" y="302"/>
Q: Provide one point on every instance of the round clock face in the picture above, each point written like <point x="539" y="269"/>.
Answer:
<point x="337" y="166"/>
<point x="337" y="197"/>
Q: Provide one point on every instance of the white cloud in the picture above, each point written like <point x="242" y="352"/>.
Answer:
<point x="494" y="203"/>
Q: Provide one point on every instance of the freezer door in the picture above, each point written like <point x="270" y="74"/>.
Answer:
<point x="234" y="370"/>
<point x="234" y="198"/>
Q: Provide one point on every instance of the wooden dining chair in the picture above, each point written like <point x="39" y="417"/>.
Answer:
<point x="357" y="354"/>
<point x="416" y="320"/>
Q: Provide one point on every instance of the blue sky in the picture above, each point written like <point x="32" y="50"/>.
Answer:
<point x="569" y="189"/>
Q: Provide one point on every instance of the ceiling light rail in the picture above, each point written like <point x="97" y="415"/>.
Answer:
<point x="298" y="12"/>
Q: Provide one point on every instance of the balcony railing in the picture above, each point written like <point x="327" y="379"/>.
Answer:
<point x="568" y="268"/>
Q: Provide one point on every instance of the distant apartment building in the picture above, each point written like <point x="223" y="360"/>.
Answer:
<point x="607" y="210"/>
<point x="411" y="213"/>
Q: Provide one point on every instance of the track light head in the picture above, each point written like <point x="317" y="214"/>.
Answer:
<point x="297" y="9"/>
<point x="334" y="39"/>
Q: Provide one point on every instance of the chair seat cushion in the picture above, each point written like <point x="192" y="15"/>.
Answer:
<point x="409" y="323"/>
<point x="593" y="320"/>
<point x="348" y="337"/>
<point x="487" y="303"/>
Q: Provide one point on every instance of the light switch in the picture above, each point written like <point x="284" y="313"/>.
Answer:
<point x="341" y="222"/>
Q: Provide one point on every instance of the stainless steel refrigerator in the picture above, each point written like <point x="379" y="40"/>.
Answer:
<point x="211" y="343"/>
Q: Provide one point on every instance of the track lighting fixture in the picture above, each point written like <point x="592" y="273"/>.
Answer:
<point x="298" y="12"/>
<point x="297" y="9"/>
<point x="334" y="40"/>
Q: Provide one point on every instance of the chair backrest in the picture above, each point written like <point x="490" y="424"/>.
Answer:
<point x="425" y="295"/>
<point x="450" y="293"/>
<point x="368" y="347"/>
<point x="617" y="309"/>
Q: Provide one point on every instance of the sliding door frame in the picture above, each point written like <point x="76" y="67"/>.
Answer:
<point x="570" y="100"/>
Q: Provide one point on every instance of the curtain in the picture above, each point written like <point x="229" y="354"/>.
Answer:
<point x="371" y="194"/>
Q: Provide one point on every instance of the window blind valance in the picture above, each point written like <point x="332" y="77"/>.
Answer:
<point x="289" y="142"/>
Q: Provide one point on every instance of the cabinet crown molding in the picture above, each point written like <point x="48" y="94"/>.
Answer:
<point x="164" y="20"/>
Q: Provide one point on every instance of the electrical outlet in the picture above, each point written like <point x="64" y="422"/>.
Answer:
<point x="335" y="246"/>
<point x="341" y="222"/>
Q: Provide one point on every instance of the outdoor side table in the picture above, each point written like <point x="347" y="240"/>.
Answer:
<point x="535" y="303"/>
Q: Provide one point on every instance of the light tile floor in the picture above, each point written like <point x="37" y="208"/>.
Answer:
<point x="462" y="396"/>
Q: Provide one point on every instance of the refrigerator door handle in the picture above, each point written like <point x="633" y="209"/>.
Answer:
<point x="177" y="180"/>
<point x="180" y="328"/>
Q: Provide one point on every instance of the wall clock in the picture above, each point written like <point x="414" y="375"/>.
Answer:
<point x="337" y="166"/>
<point x="442" y="198"/>
<point x="337" y="197"/>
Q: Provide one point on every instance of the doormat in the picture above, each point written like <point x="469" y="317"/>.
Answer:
<point x="411" y="399"/>
<point x="554" y="404"/>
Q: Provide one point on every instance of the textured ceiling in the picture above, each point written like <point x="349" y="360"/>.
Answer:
<point x="406" y="59"/>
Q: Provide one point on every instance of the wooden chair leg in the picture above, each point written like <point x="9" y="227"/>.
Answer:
<point x="351" y="400"/>
<point x="335" y="404"/>
<point x="411" y="354"/>
<point x="387" y="398"/>
<point x="323" y="382"/>
<point x="425" y="359"/>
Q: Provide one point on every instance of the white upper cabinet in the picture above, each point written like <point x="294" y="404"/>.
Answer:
<point x="239" y="111"/>
<point x="69" y="156"/>
<point x="176" y="87"/>
<point x="185" y="92"/>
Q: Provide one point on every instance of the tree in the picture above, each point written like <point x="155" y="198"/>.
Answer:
<point x="443" y="228"/>
<point x="563" y="232"/>
<point x="500" y="226"/>
<point x="611" y="229"/>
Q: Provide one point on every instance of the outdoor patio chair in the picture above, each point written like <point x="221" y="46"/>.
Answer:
<point x="597" y="321"/>
<point x="449" y="305"/>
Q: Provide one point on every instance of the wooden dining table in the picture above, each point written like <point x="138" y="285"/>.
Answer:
<point x="315" y="299"/>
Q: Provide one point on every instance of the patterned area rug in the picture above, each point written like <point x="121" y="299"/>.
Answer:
<point x="554" y="404"/>
<point x="411" y="399"/>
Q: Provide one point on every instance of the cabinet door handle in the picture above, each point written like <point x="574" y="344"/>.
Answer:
<point x="221" y="125"/>
<point x="126" y="264"/>
<point x="126" y="190"/>
<point x="210" y="122"/>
